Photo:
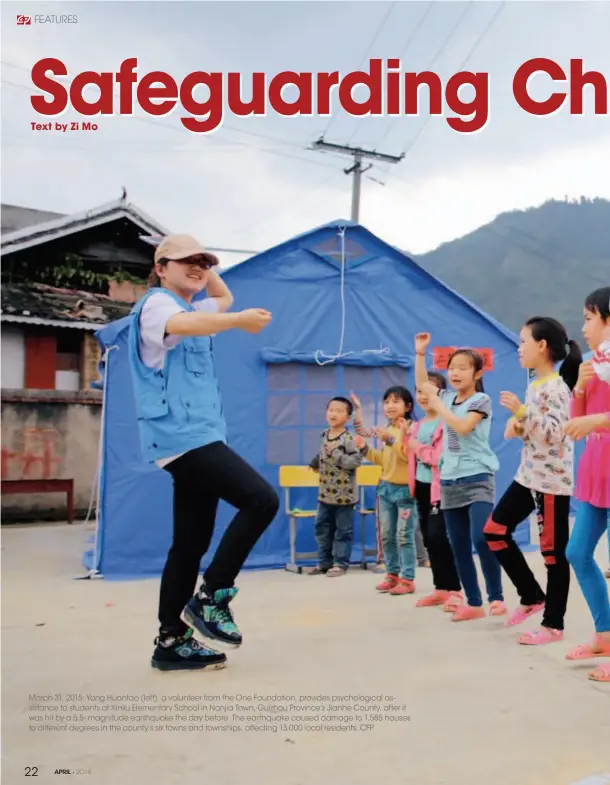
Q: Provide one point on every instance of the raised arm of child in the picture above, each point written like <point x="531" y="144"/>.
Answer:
<point x="359" y="427"/>
<point x="422" y="342"/>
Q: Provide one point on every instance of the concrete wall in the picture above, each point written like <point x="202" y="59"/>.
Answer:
<point x="49" y="434"/>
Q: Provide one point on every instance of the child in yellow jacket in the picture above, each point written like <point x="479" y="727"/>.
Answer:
<point x="397" y="509"/>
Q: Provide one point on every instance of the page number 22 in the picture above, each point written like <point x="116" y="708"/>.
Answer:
<point x="31" y="771"/>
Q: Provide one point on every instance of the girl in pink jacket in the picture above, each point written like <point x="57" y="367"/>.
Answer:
<point x="425" y="445"/>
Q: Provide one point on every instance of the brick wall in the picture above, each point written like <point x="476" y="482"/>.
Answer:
<point x="49" y="435"/>
<point x="125" y="292"/>
<point x="90" y="357"/>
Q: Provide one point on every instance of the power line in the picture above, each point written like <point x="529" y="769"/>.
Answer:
<point x="462" y="66"/>
<point x="357" y="154"/>
<point x="366" y="54"/>
<point x="275" y="217"/>
<point x="215" y="140"/>
<point x="225" y="126"/>
<point x="402" y="56"/>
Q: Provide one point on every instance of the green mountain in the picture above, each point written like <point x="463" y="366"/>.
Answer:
<point x="537" y="262"/>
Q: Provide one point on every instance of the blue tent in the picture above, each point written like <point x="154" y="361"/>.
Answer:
<point x="276" y="385"/>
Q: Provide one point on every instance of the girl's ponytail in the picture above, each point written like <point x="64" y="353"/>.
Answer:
<point x="569" y="367"/>
<point x="543" y="328"/>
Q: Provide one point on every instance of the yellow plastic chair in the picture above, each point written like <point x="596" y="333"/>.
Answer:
<point x="367" y="476"/>
<point x="303" y="477"/>
<point x="297" y="477"/>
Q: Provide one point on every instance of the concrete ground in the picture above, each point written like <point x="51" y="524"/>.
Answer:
<point x="483" y="710"/>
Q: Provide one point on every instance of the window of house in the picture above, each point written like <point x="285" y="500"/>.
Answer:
<point x="297" y="396"/>
<point x="68" y="362"/>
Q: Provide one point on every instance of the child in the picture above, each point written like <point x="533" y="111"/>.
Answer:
<point x="397" y="511"/>
<point x="337" y="462"/>
<point x="468" y="469"/>
<point x="425" y="445"/>
<point x="545" y="478"/>
<point x="591" y="410"/>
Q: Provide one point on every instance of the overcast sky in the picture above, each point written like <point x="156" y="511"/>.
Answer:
<point x="254" y="183"/>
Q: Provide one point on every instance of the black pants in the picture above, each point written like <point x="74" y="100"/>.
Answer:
<point x="515" y="506"/>
<point x="434" y="532"/>
<point x="201" y="478"/>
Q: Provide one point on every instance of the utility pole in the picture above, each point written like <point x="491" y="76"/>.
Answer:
<point x="358" y="155"/>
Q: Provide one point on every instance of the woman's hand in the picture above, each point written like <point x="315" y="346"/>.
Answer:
<point x="510" y="401"/>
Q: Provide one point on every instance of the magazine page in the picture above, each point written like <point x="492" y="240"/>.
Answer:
<point x="305" y="393"/>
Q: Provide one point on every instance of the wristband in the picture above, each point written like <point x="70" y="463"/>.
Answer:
<point x="420" y="354"/>
<point x="521" y="411"/>
<point x="578" y="393"/>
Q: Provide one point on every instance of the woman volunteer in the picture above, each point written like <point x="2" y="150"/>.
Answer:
<point x="183" y="431"/>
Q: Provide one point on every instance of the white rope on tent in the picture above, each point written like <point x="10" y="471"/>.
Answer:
<point x="93" y="572"/>
<point x="319" y="354"/>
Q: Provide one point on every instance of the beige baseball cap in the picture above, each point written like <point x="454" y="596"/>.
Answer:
<point x="176" y="247"/>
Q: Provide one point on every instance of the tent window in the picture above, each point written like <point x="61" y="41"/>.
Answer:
<point x="358" y="378"/>
<point x="283" y="410"/>
<point x="315" y="408"/>
<point x="321" y="377"/>
<point x="332" y="248"/>
<point x="392" y="377"/>
<point x="297" y="396"/>
<point x="284" y="377"/>
<point x="283" y="447"/>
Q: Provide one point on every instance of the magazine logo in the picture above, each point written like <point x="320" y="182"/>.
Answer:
<point x="47" y="19"/>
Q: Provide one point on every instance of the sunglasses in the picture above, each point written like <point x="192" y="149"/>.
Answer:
<point x="204" y="264"/>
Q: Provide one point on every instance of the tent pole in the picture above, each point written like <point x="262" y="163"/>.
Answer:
<point x="94" y="571"/>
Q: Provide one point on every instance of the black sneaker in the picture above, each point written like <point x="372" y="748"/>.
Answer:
<point x="185" y="653"/>
<point x="210" y="616"/>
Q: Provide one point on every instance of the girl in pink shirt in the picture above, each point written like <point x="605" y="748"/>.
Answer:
<point x="424" y="445"/>
<point x="590" y="411"/>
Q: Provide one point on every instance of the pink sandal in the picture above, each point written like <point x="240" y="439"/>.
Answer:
<point x="601" y="674"/>
<point x="587" y="651"/>
<point x="498" y="608"/>
<point x="468" y="613"/>
<point x="541" y="636"/>
<point x="438" y="597"/>
<point x="522" y="614"/>
<point x="454" y="601"/>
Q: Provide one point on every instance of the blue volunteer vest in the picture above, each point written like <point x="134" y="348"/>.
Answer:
<point x="179" y="407"/>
